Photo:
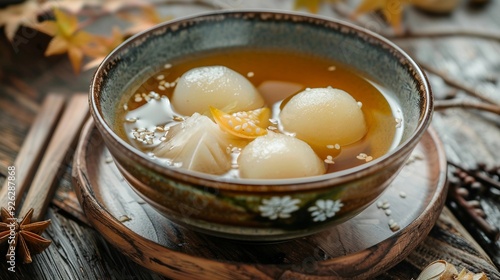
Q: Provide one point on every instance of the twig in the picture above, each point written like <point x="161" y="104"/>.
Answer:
<point x="43" y="185"/>
<point x="31" y="151"/>
<point x="457" y="84"/>
<point x="490" y="231"/>
<point x="466" y="187"/>
<point x="454" y="103"/>
<point x="487" y="181"/>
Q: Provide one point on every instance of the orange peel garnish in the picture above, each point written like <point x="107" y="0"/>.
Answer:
<point x="244" y="124"/>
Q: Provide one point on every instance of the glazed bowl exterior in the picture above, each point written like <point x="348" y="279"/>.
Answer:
<point x="259" y="210"/>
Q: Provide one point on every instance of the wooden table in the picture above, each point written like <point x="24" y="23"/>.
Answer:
<point x="454" y="46"/>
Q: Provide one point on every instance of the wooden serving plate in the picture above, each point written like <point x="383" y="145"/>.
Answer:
<point x="357" y="249"/>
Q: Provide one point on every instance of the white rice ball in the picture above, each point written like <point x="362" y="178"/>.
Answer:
<point x="324" y="116"/>
<point x="279" y="156"/>
<point x="216" y="86"/>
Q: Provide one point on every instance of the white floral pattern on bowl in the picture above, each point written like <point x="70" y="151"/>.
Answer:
<point x="325" y="209"/>
<point x="278" y="207"/>
<point x="282" y="208"/>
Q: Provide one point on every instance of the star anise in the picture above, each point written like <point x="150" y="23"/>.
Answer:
<point x="22" y="238"/>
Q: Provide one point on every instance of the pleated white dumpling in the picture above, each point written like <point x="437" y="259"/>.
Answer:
<point x="278" y="156"/>
<point x="197" y="144"/>
<point x="324" y="116"/>
<point x="216" y="86"/>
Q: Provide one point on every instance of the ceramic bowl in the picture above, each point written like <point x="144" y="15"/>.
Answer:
<point x="260" y="210"/>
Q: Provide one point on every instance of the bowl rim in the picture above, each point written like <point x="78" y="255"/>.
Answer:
<point x="238" y="184"/>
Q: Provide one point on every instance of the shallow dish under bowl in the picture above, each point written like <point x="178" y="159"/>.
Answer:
<point x="260" y="210"/>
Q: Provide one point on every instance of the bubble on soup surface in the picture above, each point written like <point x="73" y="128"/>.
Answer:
<point x="197" y="144"/>
<point x="324" y="116"/>
<point x="279" y="156"/>
<point x="216" y="86"/>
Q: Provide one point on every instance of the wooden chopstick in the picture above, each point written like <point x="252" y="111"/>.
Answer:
<point x="43" y="186"/>
<point x="32" y="149"/>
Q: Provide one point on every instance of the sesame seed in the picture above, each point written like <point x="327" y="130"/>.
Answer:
<point x="394" y="226"/>
<point x="402" y="194"/>
<point x="138" y="99"/>
<point x="125" y="107"/>
<point x="337" y="146"/>
<point x="238" y="119"/>
<point x="160" y="77"/>
<point x="332" y="68"/>
<point x="271" y="127"/>
<point x="379" y="204"/>
<point x="230" y="123"/>
<point x="257" y="130"/>
<point x="163" y="138"/>
<point x="386" y="205"/>
<point x="330" y="146"/>
<point x="162" y="82"/>
<point x="167" y="66"/>
<point x="369" y="158"/>
<point x="160" y="128"/>
<point x="388" y="212"/>
<point x="160" y="87"/>
<point x="360" y="105"/>
<point x="250" y="74"/>
<point x="237" y="128"/>
<point x="244" y="126"/>
<point x="248" y="130"/>
<point x="329" y="160"/>
<point x="131" y="120"/>
<point x="361" y="156"/>
<point x="109" y="159"/>
<point x="398" y="122"/>
<point x="178" y="118"/>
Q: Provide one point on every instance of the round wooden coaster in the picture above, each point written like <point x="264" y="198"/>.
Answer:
<point x="357" y="249"/>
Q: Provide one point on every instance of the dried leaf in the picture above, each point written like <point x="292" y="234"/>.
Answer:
<point x="67" y="38"/>
<point x="13" y="16"/>
<point x="391" y="9"/>
<point x="72" y="6"/>
<point x="146" y="17"/>
<point x="103" y="46"/>
<point x="113" y="6"/>
<point x="311" y="5"/>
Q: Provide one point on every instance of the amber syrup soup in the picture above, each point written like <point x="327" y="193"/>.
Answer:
<point x="146" y="112"/>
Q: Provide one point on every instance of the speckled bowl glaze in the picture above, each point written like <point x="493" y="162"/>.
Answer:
<point x="259" y="210"/>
